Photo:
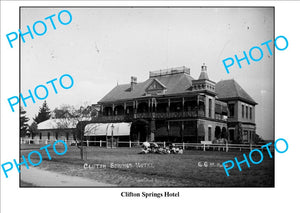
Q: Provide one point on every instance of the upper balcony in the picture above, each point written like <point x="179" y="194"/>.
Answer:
<point x="160" y="115"/>
<point x="193" y="106"/>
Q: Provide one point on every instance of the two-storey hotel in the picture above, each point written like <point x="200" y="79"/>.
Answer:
<point x="173" y="106"/>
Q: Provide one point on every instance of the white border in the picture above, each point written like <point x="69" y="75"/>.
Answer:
<point x="282" y="198"/>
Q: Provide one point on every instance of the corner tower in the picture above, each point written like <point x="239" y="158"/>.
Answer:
<point x="206" y="88"/>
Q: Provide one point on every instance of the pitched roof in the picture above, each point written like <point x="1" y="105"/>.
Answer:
<point x="57" y="123"/>
<point x="60" y="123"/>
<point x="175" y="83"/>
<point x="230" y="89"/>
<point x="156" y="84"/>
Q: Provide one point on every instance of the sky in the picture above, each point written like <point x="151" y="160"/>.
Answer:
<point x="103" y="47"/>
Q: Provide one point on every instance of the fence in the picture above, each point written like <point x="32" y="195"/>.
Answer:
<point x="204" y="145"/>
<point x="43" y="141"/>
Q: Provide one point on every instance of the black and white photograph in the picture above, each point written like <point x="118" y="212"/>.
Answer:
<point x="142" y="97"/>
<point x="149" y="106"/>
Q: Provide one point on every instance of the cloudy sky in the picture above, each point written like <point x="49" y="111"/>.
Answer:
<point x="105" y="46"/>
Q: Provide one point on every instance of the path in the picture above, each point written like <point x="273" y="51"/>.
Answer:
<point x="39" y="177"/>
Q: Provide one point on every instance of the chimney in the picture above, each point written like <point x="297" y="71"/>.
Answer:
<point x="133" y="82"/>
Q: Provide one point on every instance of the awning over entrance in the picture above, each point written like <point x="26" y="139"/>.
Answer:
<point x="118" y="129"/>
<point x="95" y="129"/>
<point x="103" y="129"/>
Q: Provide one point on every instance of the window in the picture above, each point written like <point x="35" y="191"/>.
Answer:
<point x="243" y="108"/>
<point x="245" y="136"/>
<point x="40" y="135"/>
<point x="231" y="110"/>
<point x="209" y="133"/>
<point x="250" y="113"/>
<point x="209" y="108"/>
<point x="48" y="135"/>
<point x="67" y="136"/>
<point x="231" y="134"/>
<point x="56" y="135"/>
<point x="246" y="111"/>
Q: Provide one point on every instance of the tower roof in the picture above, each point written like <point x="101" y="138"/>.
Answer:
<point x="203" y="74"/>
<point x="230" y="89"/>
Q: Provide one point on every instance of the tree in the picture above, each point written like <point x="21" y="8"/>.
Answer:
<point x="44" y="113"/>
<point x="33" y="129"/>
<point x="23" y="122"/>
<point x="64" y="111"/>
<point x="67" y="111"/>
<point x="80" y="117"/>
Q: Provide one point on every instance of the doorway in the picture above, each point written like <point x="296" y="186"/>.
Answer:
<point x="139" y="130"/>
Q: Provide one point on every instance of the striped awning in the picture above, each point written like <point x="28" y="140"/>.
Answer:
<point x="118" y="129"/>
<point x="95" y="129"/>
<point x="107" y="129"/>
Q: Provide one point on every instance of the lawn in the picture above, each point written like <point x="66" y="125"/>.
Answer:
<point x="124" y="167"/>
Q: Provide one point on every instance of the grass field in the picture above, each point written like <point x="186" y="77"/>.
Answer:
<point x="157" y="170"/>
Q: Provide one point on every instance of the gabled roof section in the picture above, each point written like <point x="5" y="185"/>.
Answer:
<point x="230" y="89"/>
<point x="155" y="85"/>
<point x="173" y="83"/>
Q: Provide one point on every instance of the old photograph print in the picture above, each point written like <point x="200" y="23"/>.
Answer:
<point x="140" y="97"/>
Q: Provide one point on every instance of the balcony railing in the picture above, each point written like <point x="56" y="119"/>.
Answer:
<point x="113" y="118"/>
<point x="186" y="114"/>
<point x="158" y="115"/>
